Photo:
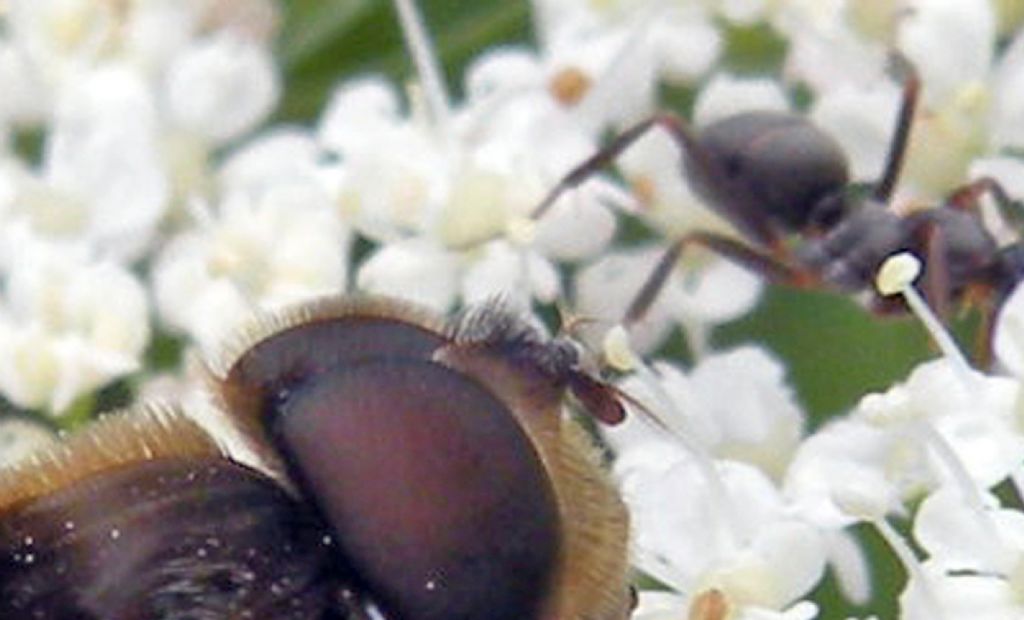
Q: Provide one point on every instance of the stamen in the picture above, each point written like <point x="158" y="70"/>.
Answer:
<point x="427" y="66"/>
<point x="896" y="277"/>
<point x="668" y="416"/>
<point x="917" y="578"/>
<point x="618" y="351"/>
<point x="963" y="483"/>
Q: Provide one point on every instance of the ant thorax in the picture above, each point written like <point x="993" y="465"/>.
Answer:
<point x="848" y="255"/>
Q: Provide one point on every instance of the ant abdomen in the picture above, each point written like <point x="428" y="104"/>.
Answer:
<point x="779" y="161"/>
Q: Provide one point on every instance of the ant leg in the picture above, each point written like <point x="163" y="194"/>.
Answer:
<point x="985" y="298"/>
<point x="747" y="219"/>
<point x="967" y="198"/>
<point x="937" y="289"/>
<point x="886" y="184"/>
<point x="773" y="269"/>
<point x="602" y="158"/>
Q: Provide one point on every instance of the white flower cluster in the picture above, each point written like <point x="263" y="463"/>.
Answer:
<point x="137" y="198"/>
<point x="739" y="512"/>
<point x="114" y="131"/>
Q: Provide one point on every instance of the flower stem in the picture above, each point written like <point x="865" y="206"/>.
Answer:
<point x="916" y="577"/>
<point x="422" y="51"/>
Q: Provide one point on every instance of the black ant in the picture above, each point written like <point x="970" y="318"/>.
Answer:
<point x="775" y="176"/>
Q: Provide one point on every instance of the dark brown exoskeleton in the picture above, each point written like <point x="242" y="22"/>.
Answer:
<point x="414" y="467"/>
<point x="776" y="177"/>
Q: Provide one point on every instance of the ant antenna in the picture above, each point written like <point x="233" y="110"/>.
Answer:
<point x="901" y="67"/>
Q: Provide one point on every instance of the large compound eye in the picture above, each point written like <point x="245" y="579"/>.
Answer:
<point x="141" y="518"/>
<point x="438" y="456"/>
<point x="278" y="354"/>
<point x="439" y="500"/>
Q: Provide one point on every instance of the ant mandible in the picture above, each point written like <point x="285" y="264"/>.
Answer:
<point x="775" y="176"/>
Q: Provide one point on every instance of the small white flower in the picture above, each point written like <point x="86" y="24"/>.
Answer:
<point x="1008" y="335"/>
<point x="977" y="420"/>
<point x="626" y="48"/>
<point x="101" y="178"/>
<point x="705" y="513"/>
<point x="221" y="87"/>
<point x="975" y="560"/>
<point x="693" y="533"/>
<point x="69" y="326"/>
<point x="841" y="475"/>
<point x="277" y="156"/>
<point x="415" y="269"/>
<point x="725" y="95"/>
<point x="458" y="194"/>
<point x="959" y="537"/>
<point x="915" y="437"/>
<point x="260" y="250"/>
<point x="759" y="424"/>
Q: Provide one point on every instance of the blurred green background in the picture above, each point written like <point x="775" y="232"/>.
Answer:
<point x="835" y="351"/>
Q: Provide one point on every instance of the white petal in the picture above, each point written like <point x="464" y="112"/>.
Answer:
<point x="604" y="289"/>
<point x="104" y="151"/>
<point x="833" y="57"/>
<point x="415" y="269"/>
<point x="960" y="538"/>
<point x="840" y="474"/>
<point x="719" y="292"/>
<point x="760" y="422"/>
<point x="516" y="274"/>
<point x="744" y="11"/>
<point x="849" y="562"/>
<point x="358" y="111"/>
<point x="497" y="70"/>
<point x="976" y="420"/>
<point x="83" y="368"/>
<point x="1008" y="82"/>
<point x="659" y="605"/>
<point x="687" y="43"/>
<point x="25" y="97"/>
<point x="576" y="229"/>
<point x="784" y="562"/>
<point x="1008" y="338"/>
<point x="282" y="154"/>
<point x="861" y="120"/>
<point x="978" y="597"/>
<point x="222" y="87"/>
<point x="725" y="95"/>
<point x="108" y="305"/>
<point x="950" y="42"/>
